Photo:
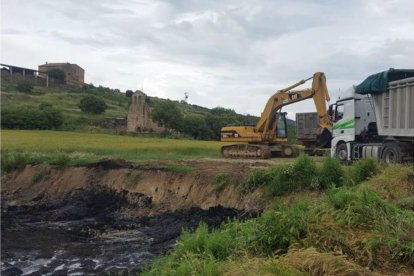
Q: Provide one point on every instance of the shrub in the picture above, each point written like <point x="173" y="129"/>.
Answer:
<point x="331" y="173"/>
<point x="24" y="86"/>
<point x="43" y="117"/>
<point x="92" y="104"/>
<point x="288" y="178"/>
<point x="281" y="181"/>
<point x="364" y="169"/>
<point x="255" y="179"/>
<point x="304" y="170"/>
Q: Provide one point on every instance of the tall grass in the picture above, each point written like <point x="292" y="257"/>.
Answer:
<point x="304" y="174"/>
<point x="351" y="220"/>
<point x="20" y="147"/>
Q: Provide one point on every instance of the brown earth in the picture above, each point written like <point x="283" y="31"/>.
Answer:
<point x="162" y="181"/>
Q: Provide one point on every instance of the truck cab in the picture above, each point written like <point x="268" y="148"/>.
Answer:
<point x="354" y="121"/>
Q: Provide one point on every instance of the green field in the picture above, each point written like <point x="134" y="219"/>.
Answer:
<point x="20" y="147"/>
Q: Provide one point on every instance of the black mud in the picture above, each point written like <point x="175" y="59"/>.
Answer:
<point x="89" y="233"/>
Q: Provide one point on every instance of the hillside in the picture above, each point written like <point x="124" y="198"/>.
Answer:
<point x="67" y="101"/>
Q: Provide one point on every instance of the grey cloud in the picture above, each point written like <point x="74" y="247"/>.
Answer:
<point x="218" y="48"/>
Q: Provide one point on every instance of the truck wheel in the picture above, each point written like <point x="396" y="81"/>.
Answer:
<point x="391" y="154"/>
<point x="342" y="153"/>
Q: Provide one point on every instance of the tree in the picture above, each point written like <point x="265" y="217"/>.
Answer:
<point x="92" y="104"/>
<point x="168" y="115"/>
<point x="57" y="74"/>
<point x="129" y="93"/>
<point x="197" y="127"/>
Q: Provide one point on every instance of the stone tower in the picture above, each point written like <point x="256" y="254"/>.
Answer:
<point x="139" y="115"/>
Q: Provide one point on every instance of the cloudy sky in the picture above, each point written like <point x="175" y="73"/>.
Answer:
<point x="233" y="54"/>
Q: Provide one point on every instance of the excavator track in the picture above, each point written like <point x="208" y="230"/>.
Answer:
<point x="253" y="151"/>
<point x="247" y="151"/>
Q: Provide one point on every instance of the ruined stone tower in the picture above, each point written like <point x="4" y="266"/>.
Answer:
<point x="139" y="115"/>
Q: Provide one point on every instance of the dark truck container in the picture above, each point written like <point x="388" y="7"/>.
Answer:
<point x="307" y="129"/>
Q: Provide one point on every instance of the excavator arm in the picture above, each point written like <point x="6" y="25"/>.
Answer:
<point x="267" y="124"/>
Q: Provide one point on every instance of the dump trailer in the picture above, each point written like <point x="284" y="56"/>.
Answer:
<point x="308" y="133"/>
<point x="377" y="119"/>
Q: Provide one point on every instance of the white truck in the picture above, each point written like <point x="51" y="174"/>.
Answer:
<point x="376" y="120"/>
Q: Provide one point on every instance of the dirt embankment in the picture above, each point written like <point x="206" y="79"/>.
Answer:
<point x="155" y="187"/>
<point x="113" y="215"/>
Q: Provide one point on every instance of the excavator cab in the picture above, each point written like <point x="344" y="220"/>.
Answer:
<point x="281" y="129"/>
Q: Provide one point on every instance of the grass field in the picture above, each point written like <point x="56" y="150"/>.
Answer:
<point x="106" y="145"/>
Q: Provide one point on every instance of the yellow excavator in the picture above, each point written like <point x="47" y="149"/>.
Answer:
<point x="269" y="136"/>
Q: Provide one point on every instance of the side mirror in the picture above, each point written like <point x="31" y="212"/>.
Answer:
<point x="331" y="112"/>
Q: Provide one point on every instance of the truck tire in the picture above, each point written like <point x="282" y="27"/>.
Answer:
<point x="342" y="153"/>
<point x="391" y="154"/>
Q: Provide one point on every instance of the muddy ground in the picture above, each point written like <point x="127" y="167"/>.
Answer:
<point x="112" y="215"/>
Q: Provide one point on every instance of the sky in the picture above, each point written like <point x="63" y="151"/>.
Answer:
<point x="233" y="54"/>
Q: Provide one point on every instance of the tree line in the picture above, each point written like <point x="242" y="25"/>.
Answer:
<point x="204" y="126"/>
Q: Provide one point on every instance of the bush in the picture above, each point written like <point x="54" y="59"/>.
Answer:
<point x="289" y="178"/>
<point x="255" y="179"/>
<point x="331" y="173"/>
<point x="24" y="86"/>
<point x="43" y="117"/>
<point x="364" y="169"/>
<point x="92" y="104"/>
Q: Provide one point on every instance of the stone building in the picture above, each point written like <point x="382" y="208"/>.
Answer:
<point x="75" y="75"/>
<point x="139" y="115"/>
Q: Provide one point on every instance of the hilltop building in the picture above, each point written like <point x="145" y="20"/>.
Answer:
<point x="75" y="75"/>
<point x="139" y="115"/>
<point x="17" y="73"/>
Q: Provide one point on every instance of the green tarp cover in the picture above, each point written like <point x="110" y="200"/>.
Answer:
<point x="377" y="83"/>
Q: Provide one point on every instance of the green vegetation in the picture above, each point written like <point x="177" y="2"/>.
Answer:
<point x="179" y="168"/>
<point x="304" y="174"/>
<point x="341" y="233"/>
<point x="42" y="117"/>
<point x="40" y="176"/>
<point x="24" y="86"/>
<point x="20" y="147"/>
<point x="66" y="100"/>
<point x="92" y="104"/>
<point x="221" y="180"/>
<point x="88" y="109"/>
